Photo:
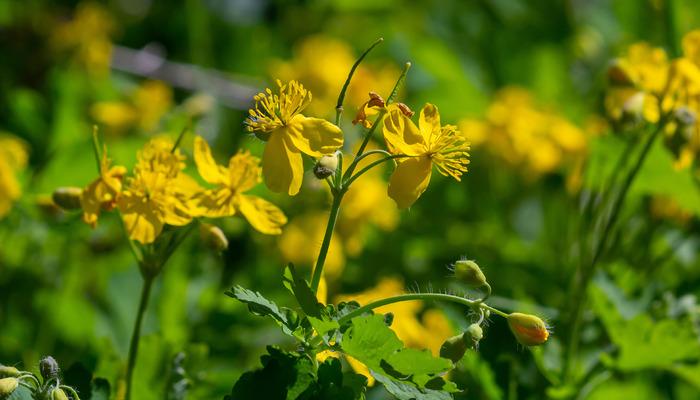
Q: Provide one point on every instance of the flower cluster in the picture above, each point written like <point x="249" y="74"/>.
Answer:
<point x="158" y="192"/>
<point x="524" y="135"/>
<point x="143" y="107"/>
<point x="646" y="86"/>
<point x="13" y="158"/>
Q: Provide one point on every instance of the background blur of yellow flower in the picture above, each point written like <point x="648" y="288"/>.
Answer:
<point x="87" y="36"/>
<point x="13" y="158"/>
<point x="524" y="135"/>
<point x="144" y="108"/>
<point x="323" y="63"/>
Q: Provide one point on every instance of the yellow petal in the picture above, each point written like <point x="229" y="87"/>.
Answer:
<point x="141" y="221"/>
<point x="283" y="167"/>
<point x="314" y="136"/>
<point x="402" y="135"/>
<point x="409" y="180"/>
<point x="244" y="171"/>
<point x="429" y="121"/>
<point x="264" y="216"/>
<point x="207" y="167"/>
<point x="215" y="203"/>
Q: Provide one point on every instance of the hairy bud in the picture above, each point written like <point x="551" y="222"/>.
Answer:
<point x="469" y="273"/>
<point x="58" y="394"/>
<point x="6" y="371"/>
<point x="475" y="333"/>
<point x="68" y="198"/>
<point x="49" y="368"/>
<point x="454" y="348"/>
<point x="529" y="330"/>
<point x="7" y="386"/>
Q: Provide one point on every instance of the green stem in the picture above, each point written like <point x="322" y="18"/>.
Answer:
<point x="341" y="96"/>
<point x="584" y="276"/>
<point x="332" y="218"/>
<point x="96" y="149"/>
<point x="136" y="334"/>
<point x="370" y="166"/>
<point x="474" y="304"/>
<point x="184" y="130"/>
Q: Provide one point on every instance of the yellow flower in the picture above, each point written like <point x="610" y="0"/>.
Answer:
<point x="242" y="174"/>
<point x="13" y="158"/>
<point x="158" y="193"/>
<point x="277" y="119"/>
<point x="528" y="329"/>
<point x="103" y="192"/>
<point x="145" y="107"/>
<point x="428" y="144"/>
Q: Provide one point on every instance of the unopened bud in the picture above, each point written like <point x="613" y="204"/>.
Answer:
<point x="58" y="394"/>
<point x="528" y="329"/>
<point x="454" y="348"/>
<point x="475" y="333"/>
<point x="326" y="166"/>
<point x="7" y="386"/>
<point x="213" y="237"/>
<point x="469" y="273"/>
<point x="68" y="198"/>
<point x="6" y="371"/>
<point x="49" y="368"/>
<point x="406" y="110"/>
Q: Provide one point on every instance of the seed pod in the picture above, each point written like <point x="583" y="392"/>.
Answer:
<point x="59" y="394"/>
<point x="68" y="198"/>
<point x="7" y="386"/>
<point x="528" y="329"/>
<point x="213" y="237"/>
<point x="454" y="348"/>
<point x="6" y="371"/>
<point x="469" y="273"/>
<point x="326" y="166"/>
<point x="49" y="368"/>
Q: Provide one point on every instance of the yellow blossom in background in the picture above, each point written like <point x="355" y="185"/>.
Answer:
<point x="301" y="241"/>
<point x="158" y="193"/>
<point x="277" y="119"/>
<point x="242" y="174"/>
<point x="13" y="159"/>
<point x="426" y="332"/>
<point x="428" y="144"/>
<point x="323" y="64"/>
<point x="144" y="108"/>
<point x="666" y="208"/>
<point x="103" y="192"/>
<point x="87" y="36"/>
<point x="532" y="139"/>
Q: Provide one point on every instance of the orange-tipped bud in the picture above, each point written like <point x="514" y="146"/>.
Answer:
<point x="528" y="329"/>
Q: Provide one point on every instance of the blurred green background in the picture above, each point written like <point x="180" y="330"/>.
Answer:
<point x="138" y="68"/>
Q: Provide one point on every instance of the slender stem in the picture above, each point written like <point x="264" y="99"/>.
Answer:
<point x="474" y="304"/>
<point x="184" y="130"/>
<point x="341" y="96"/>
<point x="332" y="218"/>
<point x="96" y="148"/>
<point x="370" y="166"/>
<point x="585" y="275"/>
<point x="379" y="119"/>
<point x="136" y="334"/>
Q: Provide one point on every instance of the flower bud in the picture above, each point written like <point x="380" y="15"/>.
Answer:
<point x="528" y="329"/>
<point x="454" y="348"/>
<point x="6" y="371"/>
<point x="68" y="198"/>
<point x="49" y="368"/>
<point x="7" y="386"/>
<point x="633" y="107"/>
<point x="475" y="333"/>
<point x="213" y="237"/>
<point x="469" y="273"/>
<point x="59" y="394"/>
<point x="619" y="74"/>
<point x="326" y="166"/>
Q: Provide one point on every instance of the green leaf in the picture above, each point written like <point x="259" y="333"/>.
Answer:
<point x="371" y="342"/>
<point x="259" y="305"/>
<point x="21" y="393"/>
<point x="406" y="391"/>
<point x="285" y="375"/>
<point x="301" y="290"/>
<point x="324" y="325"/>
<point x="334" y="384"/>
<point x="643" y="342"/>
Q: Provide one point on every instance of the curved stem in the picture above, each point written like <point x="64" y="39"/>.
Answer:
<point x="341" y="96"/>
<point x="370" y="166"/>
<point x="419" y="296"/>
<point x="136" y="334"/>
<point x="332" y="218"/>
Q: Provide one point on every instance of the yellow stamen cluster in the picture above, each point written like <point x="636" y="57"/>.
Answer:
<point x="273" y="111"/>
<point x="449" y="151"/>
